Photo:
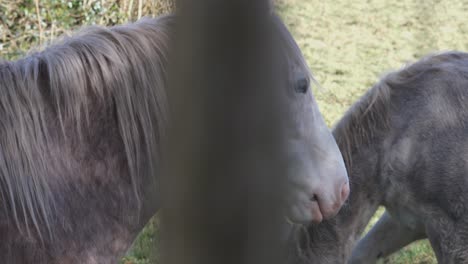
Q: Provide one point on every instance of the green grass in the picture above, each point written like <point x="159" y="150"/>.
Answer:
<point x="143" y="250"/>
<point x="350" y="44"/>
<point x="416" y="253"/>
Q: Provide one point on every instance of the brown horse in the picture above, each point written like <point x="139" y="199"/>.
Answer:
<point x="82" y="123"/>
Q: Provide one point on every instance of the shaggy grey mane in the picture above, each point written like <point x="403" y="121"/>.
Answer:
<point x="47" y="95"/>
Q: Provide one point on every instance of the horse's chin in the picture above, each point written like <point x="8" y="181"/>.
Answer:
<point x="305" y="214"/>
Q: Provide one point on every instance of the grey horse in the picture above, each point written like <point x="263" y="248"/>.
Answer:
<point x="81" y="129"/>
<point x="405" y="147"/>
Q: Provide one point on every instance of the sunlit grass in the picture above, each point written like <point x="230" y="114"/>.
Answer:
<point x="144" y="250"/>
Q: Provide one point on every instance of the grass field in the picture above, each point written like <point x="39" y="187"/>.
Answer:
<point x="348" y="44"/>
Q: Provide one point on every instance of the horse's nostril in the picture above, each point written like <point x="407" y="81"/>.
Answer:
<point x="330" y="201"/>
<point x="344" y="191"/>
<point x="314" y="198"/>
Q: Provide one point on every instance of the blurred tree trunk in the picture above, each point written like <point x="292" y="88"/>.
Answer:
<point x="222" y="192"/>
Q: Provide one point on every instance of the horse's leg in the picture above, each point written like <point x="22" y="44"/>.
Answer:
<point x="449" y="240"/>
<point x="386" y="237"/>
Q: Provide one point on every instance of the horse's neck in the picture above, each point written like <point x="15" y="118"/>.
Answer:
<point x="366" y="194"/>
<point x="334" y="239"/>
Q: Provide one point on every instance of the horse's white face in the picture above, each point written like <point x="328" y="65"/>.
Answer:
<point x="316" y="170"/>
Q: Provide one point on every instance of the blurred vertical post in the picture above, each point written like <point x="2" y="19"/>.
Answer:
<point x="223" y="190"/>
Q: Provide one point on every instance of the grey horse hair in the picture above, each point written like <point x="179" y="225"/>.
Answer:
<point x="365" y="117"/>
<point x="47" y="97"/>
<point x="370" y="114"/>
<point x="366" y="120"/>
<point x="122" y="65"/>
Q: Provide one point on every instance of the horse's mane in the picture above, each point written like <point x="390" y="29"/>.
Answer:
<point x="122" y="66"/>
<point x="366" y="116"/>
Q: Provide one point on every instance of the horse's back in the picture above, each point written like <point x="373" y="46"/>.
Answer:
<point x="428" y="145"/>
<point x="426" y="156"/>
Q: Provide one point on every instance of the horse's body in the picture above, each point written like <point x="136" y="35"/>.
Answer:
<point x="405" y="147"/>
<point x="81" y="127"/>
<point x="424" y="172"/>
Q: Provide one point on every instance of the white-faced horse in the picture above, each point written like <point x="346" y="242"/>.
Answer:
<point x="81" y="127"/>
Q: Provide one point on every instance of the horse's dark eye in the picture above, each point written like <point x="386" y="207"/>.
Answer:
<point x="302" y="85"/>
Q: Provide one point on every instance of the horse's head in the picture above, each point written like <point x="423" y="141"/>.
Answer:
<point x="316" y="171"/>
